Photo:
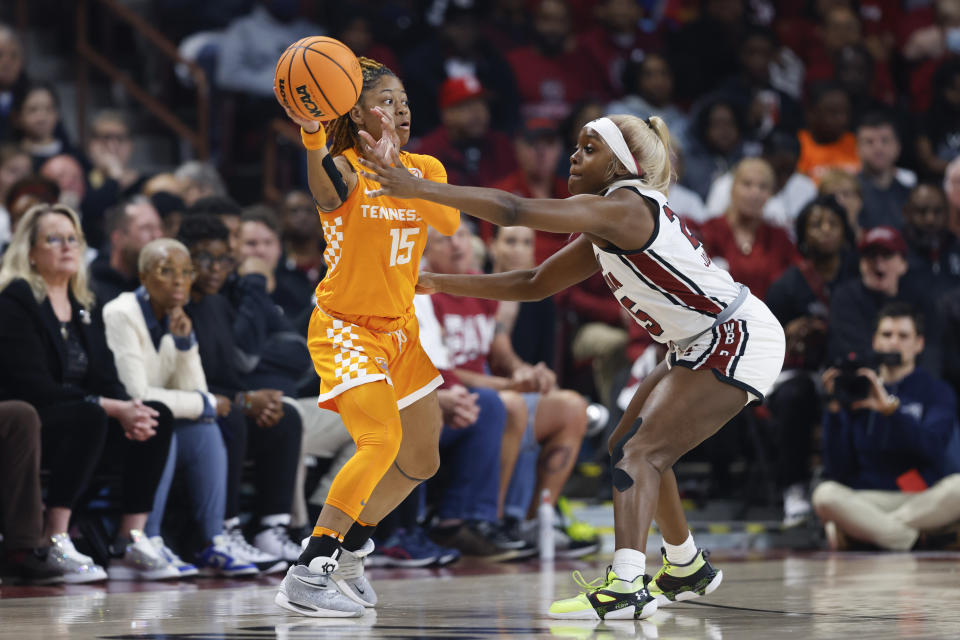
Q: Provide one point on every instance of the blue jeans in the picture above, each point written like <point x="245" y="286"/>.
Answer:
<point x="473" y="455"/>
<point x="523" y="482"/>
<point x="198" y="452"/>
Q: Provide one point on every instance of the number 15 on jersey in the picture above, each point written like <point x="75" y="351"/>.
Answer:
<point x="402" y="244"/>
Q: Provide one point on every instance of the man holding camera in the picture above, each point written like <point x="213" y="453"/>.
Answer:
<point x="891" y="447"/>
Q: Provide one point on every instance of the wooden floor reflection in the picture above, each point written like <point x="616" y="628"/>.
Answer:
<point x="815" y="596"/>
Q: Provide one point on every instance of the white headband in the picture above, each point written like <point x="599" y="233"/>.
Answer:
<point x="612" y="135"/>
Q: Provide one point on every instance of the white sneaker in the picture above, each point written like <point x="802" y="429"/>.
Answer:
<point x="275" y="541"/>
<point x="244" y="551"/>
<point x="349" y="576"/>
<point x="75" y="566"/>
<point x="141" y="561"/>
<point x="186" y="569"/>
<point x="221" y="559"/>
<point x="796" y="506"/>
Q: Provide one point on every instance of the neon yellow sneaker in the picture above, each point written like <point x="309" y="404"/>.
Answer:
<point x="607" y="598"/>
<point x="679" y="582"/>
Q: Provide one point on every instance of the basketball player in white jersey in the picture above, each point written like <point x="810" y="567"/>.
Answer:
<point x="725" y="347"/>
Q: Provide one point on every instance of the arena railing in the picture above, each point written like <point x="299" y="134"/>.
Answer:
<point x="198" y="135"/>
<point x="281" y="130"/>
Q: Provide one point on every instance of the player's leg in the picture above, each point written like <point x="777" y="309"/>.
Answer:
<point x="684" y="408"/>
<point x="417" y="460"/>
<point x="370" y="414"/>
<point x="681" y="557"/>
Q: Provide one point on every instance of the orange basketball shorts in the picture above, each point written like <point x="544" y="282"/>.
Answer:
<point x="348" y="351"/>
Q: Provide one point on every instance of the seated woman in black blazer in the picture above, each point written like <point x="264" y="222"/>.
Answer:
<point x="55" y="357"/>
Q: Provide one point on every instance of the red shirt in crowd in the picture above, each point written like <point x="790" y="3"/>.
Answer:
<point x="468" y="326"/>
<point x="550" y="86"/>
<point x="771" y="254"/>
<point x="610" y="57"/>
<point x="478" y="164"/>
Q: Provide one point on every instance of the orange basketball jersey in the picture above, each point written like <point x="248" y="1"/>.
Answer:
<point x="374" y="244"/>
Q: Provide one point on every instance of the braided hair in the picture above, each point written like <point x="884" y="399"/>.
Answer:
<point x="342" y="132"/>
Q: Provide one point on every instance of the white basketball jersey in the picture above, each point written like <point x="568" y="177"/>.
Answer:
<point x="670" y="286"/>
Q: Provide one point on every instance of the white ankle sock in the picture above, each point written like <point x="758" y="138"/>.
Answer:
<point x="629" y="563"/>
<point x="681" y="553"/>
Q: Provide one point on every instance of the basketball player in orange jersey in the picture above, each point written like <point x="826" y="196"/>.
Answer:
<point x="725" y="348"/>
<point x="365" y="344"/>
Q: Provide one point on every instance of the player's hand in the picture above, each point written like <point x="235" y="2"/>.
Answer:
<point x="310" y="126"/>
<point x="394" y="181"/>
<point x="427" y="283"/>
<point x="387" y="148"/>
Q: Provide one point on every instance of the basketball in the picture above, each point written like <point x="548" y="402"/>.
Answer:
<point x="318" y="78"/>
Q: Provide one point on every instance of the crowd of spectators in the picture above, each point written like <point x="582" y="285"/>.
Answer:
<point x="153" y="328"/>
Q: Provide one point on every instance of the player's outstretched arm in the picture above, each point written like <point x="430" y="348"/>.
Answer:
<point x="331" y="180"/>
<point x="572" y="264"/>
<point x="611" y="219"/>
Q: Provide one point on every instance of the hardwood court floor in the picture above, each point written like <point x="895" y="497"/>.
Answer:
<point x="812" y="596"/>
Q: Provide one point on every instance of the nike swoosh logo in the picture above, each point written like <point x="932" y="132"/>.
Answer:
<point x="359" y="590"/>
<point x="320" y="582"/>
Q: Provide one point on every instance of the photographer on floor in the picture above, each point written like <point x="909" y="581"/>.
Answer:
<point x="891" y="446"/>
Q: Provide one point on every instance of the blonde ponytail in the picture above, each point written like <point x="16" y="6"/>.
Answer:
<point x="650" y="146"/>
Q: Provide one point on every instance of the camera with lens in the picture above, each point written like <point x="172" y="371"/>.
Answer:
<point x="850" y="386"/>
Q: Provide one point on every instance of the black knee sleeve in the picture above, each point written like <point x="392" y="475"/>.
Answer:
<point x="621" y="479"/>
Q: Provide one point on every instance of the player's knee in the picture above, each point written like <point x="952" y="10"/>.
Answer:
<point x="422" y="466"/>
<point x="642" y="452"/>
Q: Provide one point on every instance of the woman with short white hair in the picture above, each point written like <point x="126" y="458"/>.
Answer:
<point x="158" y="359"/>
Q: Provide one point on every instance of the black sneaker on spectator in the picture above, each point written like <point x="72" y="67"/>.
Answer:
<point x="29" y="566"/>
<point x="403" y="549"/>
<point x="506" y="539"/>
<point x="564" y="545"/>
<point x="475" y="538"/>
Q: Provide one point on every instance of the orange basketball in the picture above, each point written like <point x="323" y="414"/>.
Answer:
<point x="319" y="78"/>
